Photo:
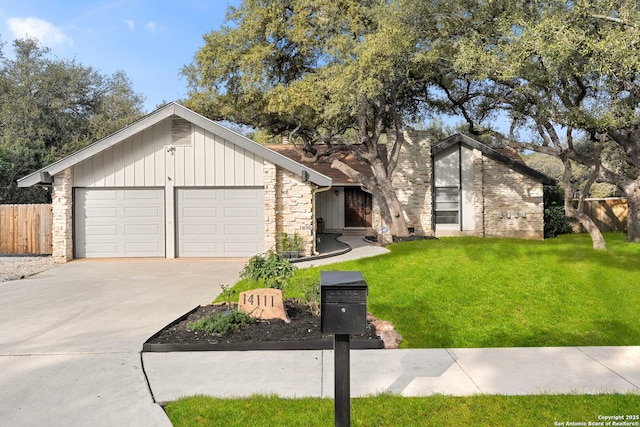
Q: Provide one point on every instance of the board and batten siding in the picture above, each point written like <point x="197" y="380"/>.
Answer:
<point x="149" y="159"/>
<point x="154" y="157"/>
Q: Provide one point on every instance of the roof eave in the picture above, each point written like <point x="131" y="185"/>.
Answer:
<point x="490" y="152"/>
<point x="173" y="109"/>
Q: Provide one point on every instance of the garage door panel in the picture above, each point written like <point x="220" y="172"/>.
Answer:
<point x="143" y="230"/>
<point x="140" y="212"/>
<point x="119" y="223"/>
<point x="220" y="222"/>
<point x="199" y="212"/>
<point x="102" y="230"/>
<point x="241" y="230"/>
<point x="241" y="212"/>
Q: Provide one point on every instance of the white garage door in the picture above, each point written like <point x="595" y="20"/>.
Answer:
<point x="220" y="222"/>
<point x="119" y="222"/>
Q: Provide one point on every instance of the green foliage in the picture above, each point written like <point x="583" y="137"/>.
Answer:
<point x="392" y="410"/>
<point x="336" y="74"/>
<point x="51" y="107"/>
<point x="273" y="270"/>
<point x="563" y="74"/>
<point x="290" y="242"/>
<point x="227" y="293"/>
<point x="555" y="220"/>
<point x="222" y="323"/>
<point x="306" y="290"/>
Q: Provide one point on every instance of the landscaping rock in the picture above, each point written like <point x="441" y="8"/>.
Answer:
<point x="386" y="331"/>
<point x="263" y="304"/>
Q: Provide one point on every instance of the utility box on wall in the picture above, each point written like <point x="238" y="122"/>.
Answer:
<point x="343" y="302"/>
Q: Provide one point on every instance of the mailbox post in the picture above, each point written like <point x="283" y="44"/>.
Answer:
<point x="343" y="311"/>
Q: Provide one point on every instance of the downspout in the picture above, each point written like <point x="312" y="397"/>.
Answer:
<point x="315" y="220"/>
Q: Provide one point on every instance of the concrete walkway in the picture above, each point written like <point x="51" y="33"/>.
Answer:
<point x="70" y="338"/>
<point x="420" y="372"/>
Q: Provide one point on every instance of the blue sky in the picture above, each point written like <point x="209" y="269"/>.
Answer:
<point x="150" y="40"/>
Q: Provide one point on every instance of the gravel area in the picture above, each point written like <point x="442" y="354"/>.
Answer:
<point x="15" y="267"/>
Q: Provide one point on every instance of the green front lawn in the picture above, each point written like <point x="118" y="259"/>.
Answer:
<point x="468" y="292"/>
<point x="474" y="292"/>
<point x="386" y="410"/>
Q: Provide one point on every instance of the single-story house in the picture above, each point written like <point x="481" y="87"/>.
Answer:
<point x="176" y="184"/>
<point x="454" y="187"/>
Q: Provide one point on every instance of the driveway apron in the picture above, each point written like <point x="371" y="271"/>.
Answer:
<point x="70" y="338"/>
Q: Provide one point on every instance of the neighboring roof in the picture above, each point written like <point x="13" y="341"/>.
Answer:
<point x="508" y="156"/>
<point x="338" y="178"/>
<point x="170" y="110"/>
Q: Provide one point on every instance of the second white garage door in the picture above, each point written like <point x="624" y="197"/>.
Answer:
<point x="218" y="222"/>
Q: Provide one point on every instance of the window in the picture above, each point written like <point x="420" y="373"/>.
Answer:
<point x="447" y="205"/>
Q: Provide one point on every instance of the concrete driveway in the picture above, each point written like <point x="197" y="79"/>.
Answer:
<point x="70" y="338"/>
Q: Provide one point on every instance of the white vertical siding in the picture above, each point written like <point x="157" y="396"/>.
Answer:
<point x="468" y="212"/>
<point x="143" y="161"/>
<point x="330" y="208"/>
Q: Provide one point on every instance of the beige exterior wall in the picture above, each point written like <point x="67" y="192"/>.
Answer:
<point x="505" y="203"/>
<point x="412" y="181"/>
<point x="288" y="208"/>
<point x="513" y="202"/>
<point x="62" y="210"/>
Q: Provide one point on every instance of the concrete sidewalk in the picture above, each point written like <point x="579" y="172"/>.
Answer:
<point x="420" y="372"/>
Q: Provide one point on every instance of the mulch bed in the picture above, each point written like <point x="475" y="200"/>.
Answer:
<point x="303" y="333"/>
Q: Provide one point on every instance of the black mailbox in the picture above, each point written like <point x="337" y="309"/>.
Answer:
<point x="343" y="302"/>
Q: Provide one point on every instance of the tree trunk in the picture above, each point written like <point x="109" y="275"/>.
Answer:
<point x="384" y="194"/>
<point x="583" y="219"/>
<point x="633" y="217"/>
<point x="589" y="225"/>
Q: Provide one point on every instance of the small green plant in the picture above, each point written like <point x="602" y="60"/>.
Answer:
<point x="290" y="242"/>
<point x="296" y="242"/>
<point x="273" y="270"/>
<point x="228" y="292"/>
<point x="285" y="242"/>
<point x="222" y="323"/>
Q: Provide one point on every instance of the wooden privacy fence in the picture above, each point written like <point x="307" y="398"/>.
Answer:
<point x="25" y="229"/>
<point x="609" y="214"/>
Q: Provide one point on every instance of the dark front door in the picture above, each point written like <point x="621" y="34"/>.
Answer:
<point x="358" y="206"/>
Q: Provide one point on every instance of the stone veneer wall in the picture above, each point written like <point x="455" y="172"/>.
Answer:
<point x="478" y="194"/>
<point x="270" y="179"/>
<point x="288" y="208"/>
<point x="521" y="194"/>
<point x="62" y="209"/>
<point x="412" y="181"/>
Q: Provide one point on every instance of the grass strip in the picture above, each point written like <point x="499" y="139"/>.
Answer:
<point x="396" y="411"/>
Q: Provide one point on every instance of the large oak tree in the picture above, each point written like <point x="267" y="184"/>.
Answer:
<point x="320" y="72"/>
<point x="50" y="107"/>
<point x="560" y="72"/>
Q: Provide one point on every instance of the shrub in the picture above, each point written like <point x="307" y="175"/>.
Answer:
<point x="307" y="290"/>
<point x="222" y="323"/>
<point x="274" y="271"/>
<point x="555" y="220"/>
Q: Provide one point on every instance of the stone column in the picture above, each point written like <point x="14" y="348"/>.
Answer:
<point x="478" y="194"/>
<point x="270" y="232"/>
<point x="62" y="209"/>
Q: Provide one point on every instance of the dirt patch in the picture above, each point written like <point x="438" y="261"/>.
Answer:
<point x="304" y="326"/>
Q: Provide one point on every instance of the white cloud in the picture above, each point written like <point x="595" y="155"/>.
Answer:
<point x="130" y="24"/>
<point x="47" y="34"/>
<point x="151" y="26"/>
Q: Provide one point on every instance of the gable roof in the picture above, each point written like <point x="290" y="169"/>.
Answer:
<point x="173" y="109"/>
<point x="507" y="155"/>
<point x="348" y="157"/>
